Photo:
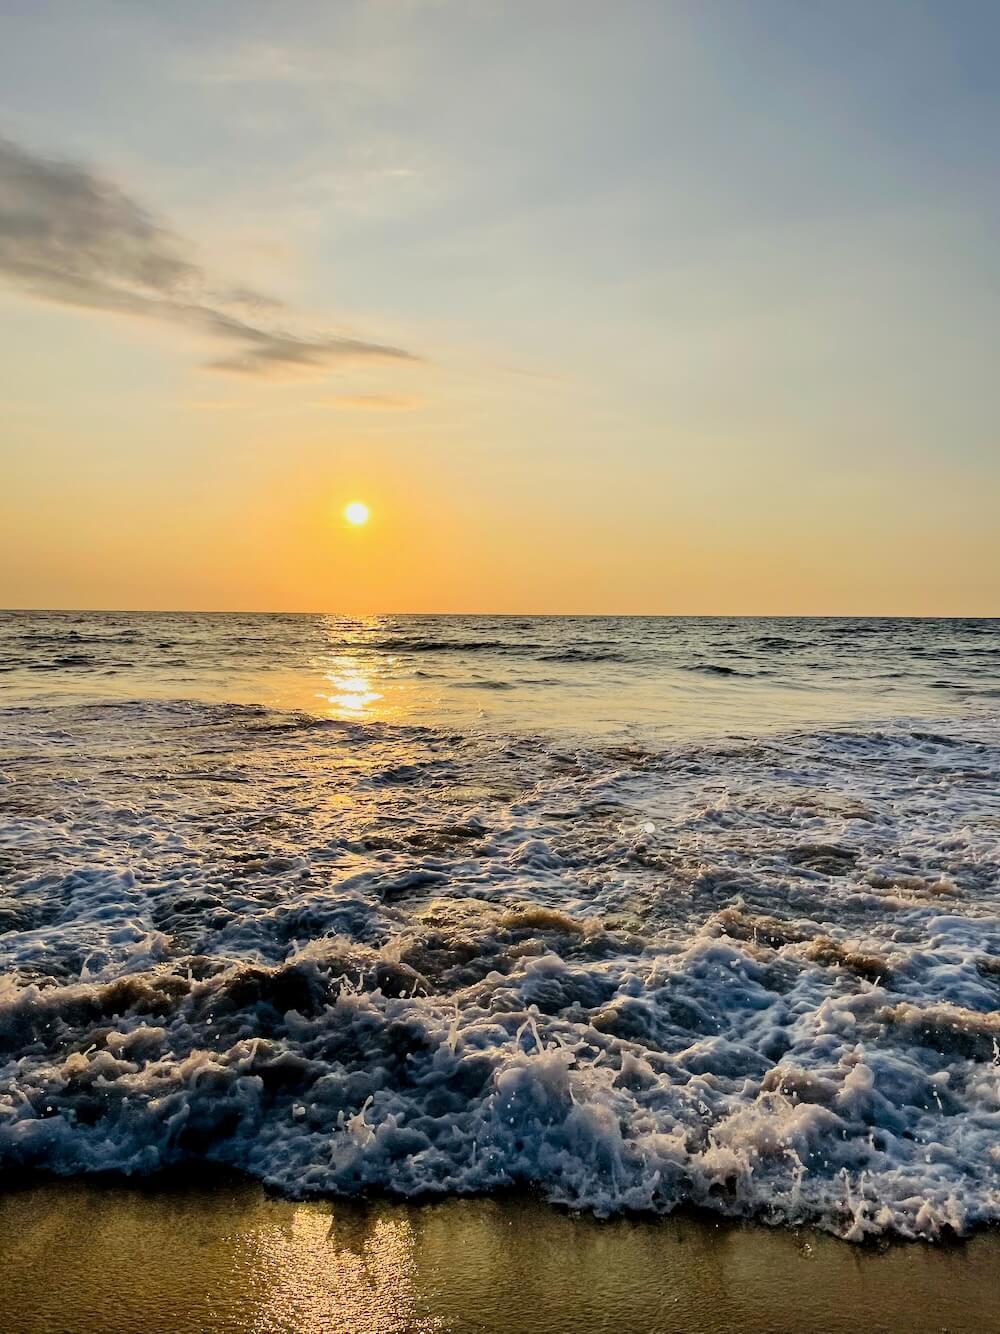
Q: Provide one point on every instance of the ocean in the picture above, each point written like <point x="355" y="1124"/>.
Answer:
<point x="637" y="913"/>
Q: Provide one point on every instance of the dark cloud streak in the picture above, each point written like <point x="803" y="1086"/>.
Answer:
<point x="69" y="236"/>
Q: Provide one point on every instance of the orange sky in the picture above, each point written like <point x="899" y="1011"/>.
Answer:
<point x="719" y="340"/>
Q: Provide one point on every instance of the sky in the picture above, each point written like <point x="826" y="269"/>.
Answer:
<point x="644" y="307"/>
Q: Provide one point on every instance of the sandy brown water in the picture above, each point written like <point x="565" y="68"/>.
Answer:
<point x="224" y="1256"/>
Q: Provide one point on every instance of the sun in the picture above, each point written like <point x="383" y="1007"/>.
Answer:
<point x="356" y="513"/>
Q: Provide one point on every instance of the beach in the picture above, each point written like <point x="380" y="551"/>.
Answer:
<point x="174" y="1258"/>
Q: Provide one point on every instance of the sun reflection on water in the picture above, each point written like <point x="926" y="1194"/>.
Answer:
<point x="352" y="689"/>
<point x="349" y="690"/>
<point x="338" y="1272"/>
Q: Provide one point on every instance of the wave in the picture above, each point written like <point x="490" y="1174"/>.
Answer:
<point x="482" y="683"/>
<point x="777" y="644"/>
<point x="587" y="655"/>
<point x="404" y="645"/>
<point x="506" y="648"/>
<point x="684" y="1080"/>
<point x="757" y="977"/>
<point x="58" y="662"/>
<point x="718" y="669"/>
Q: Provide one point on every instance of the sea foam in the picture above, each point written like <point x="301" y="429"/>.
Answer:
<point x="761" y="978"/>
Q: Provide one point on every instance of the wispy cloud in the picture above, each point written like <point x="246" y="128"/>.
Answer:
<point x="372" y="402"/>
<point x="257" y="62"/>
<point x="70" y="236"/>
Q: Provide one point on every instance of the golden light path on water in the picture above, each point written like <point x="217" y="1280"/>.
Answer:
<point x="352" y="693"/>
<point x="329" y="1272"/>
<point x="347" y="678"/>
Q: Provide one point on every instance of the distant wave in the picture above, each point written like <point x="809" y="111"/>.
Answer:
<point x="446" y="645"/>
<point x="717" y="669"/>
<point x="70" y="639"/>
<point x="479" y="683"/>
<point x="506" y="648"/>
<point x="60" y="661"/>
<point x="775" y="643"/>
<point x="586" y="655"/>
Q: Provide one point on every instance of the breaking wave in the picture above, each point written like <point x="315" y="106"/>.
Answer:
<point x="758" y="977"/>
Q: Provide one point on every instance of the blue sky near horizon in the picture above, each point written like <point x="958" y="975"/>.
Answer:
<point x="698" y="304"/>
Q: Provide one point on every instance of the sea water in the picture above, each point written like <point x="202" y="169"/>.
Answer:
<point x="637" y="912"/>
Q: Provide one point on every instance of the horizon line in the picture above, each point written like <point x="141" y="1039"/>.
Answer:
<point x="515" y="615"/>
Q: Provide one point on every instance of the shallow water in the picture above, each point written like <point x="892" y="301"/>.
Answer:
<point x="224" y="1257"/>
<point x="648" y="934"/>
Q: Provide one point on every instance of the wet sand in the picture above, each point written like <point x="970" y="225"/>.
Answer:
<point x="222" y="1255"/>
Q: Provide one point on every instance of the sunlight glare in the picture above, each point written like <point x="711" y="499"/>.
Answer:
<point x="356" y="513"/>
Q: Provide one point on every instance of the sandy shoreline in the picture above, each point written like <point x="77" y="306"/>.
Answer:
<point x="223" y="1255"/>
